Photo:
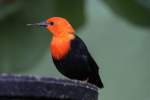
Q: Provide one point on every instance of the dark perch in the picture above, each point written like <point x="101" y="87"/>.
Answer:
<point x="19" y="87"/>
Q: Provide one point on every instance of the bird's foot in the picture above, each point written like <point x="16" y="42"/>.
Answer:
<point x="85" y="81"/>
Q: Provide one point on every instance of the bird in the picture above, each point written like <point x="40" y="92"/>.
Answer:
<point x="69" y="53"/>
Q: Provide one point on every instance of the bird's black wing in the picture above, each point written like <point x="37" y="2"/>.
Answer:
<point x="93" y="68"/>
<point x="84" y="54"/>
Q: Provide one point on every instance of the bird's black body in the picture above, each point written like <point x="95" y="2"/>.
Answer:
<point x="78" y="64"/>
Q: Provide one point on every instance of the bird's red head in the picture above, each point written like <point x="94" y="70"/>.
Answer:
<point x="58" y="26"/>
<point x="62" y="34"/>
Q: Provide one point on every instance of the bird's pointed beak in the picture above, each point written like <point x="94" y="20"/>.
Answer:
<point x="43" y="24"/>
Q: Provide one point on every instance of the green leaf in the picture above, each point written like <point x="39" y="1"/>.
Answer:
<point x="131" y="10"/>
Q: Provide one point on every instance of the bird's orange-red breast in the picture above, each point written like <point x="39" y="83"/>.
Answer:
<point x="62" y="33"/>
<point x="69" y="52"/>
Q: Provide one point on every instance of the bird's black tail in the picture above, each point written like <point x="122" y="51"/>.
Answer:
<point x="96" y="82"/>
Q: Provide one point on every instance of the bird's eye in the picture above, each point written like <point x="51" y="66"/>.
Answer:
<point x="51" y="23"/>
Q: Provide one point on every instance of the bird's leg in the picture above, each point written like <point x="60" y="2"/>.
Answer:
<point x="85" y="81"/>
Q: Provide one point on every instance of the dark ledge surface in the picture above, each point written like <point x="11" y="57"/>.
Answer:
<point x="44" y="88"/>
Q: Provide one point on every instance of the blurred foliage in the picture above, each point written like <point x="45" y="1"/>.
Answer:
<point x="144" y="3"/>
<point x="23" y="46"/>
<point x="8" y="7"/>
<point x="135" y="11"/>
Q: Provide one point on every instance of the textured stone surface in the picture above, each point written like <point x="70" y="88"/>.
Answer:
<point x="18" y="87"/>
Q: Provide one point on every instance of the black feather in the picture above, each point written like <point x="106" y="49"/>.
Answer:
<point x="78" y="64"/>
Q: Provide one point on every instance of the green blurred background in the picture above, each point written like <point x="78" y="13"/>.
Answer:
<point x="117" y="33"/>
